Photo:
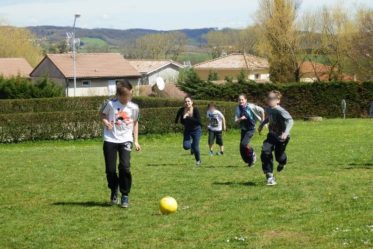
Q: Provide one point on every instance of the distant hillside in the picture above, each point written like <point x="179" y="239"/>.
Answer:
<point x="113" y="37"/>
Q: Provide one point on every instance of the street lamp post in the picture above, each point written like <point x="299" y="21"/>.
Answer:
<point x="76" y="16"/>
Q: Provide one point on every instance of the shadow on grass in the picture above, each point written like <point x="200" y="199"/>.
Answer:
<point x="162" y="164"/>
<point x="83" y="204"/>
<point x="228" y="166"/>
<point x="360" y="166"/>
<point x="248" y="184"/>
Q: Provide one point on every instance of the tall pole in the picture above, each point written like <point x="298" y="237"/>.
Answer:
<point x="74" y="52"/>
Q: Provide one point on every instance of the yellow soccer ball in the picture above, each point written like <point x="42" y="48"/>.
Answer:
<point x="168" y="205"/>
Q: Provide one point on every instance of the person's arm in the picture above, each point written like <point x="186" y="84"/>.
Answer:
<point x="264" y="123"/>
<point x="103" y="116"/>
<point x="224" y="124"/>
<point x="237" y="117"/>
<point x="178" y="115"/>
<point x="196" y="117"/>
<point x="289" y="122"/>
<point x="136" y="135"/>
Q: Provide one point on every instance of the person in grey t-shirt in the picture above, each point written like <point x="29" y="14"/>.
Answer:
<point x="280" y="124"/>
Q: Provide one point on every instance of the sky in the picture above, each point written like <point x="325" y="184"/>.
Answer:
<point x="149" y="14"/>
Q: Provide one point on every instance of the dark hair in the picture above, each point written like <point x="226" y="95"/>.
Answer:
<point x="124" y="87"/>
<point x="188" y="97"/>
<point x="211" y="104"/>
<point x="277" y="93"/>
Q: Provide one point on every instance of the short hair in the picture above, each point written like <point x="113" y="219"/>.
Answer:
<point x="211" y="104"/>
<point x="243" y="95"/>
<point x="277" y="93"/>
<point x="124" y="87"/>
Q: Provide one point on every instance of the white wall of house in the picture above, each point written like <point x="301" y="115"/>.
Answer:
<point x="308" y="80"/>
<point x="169" y="74"/>
<point x="94" y="87"/>
<point x="259" y="76"/>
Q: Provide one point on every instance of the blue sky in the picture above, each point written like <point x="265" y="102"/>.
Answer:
<point x="153" y="14"/>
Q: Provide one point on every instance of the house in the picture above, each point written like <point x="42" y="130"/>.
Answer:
<point x="150" y="70"/>
<point x="96" y="73"/>
<point x="12" y="67"/>
<point x="232" y="65"/>
<point x="312" y="72"/>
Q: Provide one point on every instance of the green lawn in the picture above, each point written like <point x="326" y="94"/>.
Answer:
<point x="53" y="194"/>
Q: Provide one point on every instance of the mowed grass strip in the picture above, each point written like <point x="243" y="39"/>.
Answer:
<point x="54" y="195"/>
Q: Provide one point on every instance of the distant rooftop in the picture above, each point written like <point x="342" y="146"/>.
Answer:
<point x="10" y="67"/>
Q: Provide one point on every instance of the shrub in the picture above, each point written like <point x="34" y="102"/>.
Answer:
<point x="80" y="104"/>
<point x="302" y="99"/>
<point x="22" y="88"/>
<point x="86" y="124"/>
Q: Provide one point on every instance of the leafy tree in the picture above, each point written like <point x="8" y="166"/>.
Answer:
<point x="19" y="42"/>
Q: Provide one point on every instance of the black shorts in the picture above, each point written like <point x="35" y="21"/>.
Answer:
<point x="218" y="135"/>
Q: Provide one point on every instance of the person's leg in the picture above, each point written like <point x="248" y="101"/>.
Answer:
<point x="280" y="154"/>
<point x="110" y="155"/>
<point x="267" y="157"/>
<point x="196" y="136"/>
<point x="245" y="148"/>
<point x="125" y="176"/>
<point x="187" y="141"/>
<point x="219" y="141"/>
<point x="211" y="140"/>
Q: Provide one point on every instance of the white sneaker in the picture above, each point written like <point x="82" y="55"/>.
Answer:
<point x="198" y="163"/>
<point x="271" y="181"/>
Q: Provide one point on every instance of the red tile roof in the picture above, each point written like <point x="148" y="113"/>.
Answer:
<point x="149" y="66"/>
<point x="235" y="61"/>
<point x="93" y="65"/>
<point x="10" y="67"/>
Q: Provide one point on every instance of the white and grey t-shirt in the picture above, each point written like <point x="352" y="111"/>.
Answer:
<point x="215" y="120"/>
<point x="122" y="117"/>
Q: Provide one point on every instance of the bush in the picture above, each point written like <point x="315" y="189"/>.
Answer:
<point x="301" y="99"/>
<point x="22" y="88"/>
<point x="80" y="104"/>
<point x="86" y="124"/>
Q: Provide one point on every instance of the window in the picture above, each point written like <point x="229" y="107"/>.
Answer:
<point x="257" y="76"/>
<point x="86" y="83"/>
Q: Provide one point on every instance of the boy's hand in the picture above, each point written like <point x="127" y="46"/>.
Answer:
<point x="108" y="125"/>
<point x="284" y="136"/>
<point x="243" y="118"/>
<point x="137" y="147"/>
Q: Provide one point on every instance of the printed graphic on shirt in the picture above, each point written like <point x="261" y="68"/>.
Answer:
<point x="122" y="119"/>
<point x="215" y="120"/>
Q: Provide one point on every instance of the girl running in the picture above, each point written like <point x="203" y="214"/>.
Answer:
<point x="247" y="115"/>
<point x="190" y="117"/>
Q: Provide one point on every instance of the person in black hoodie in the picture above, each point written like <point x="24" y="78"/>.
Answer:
<point x="189" y="116"/>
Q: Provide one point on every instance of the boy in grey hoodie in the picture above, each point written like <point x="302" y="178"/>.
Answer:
<point x="280" y="124"/>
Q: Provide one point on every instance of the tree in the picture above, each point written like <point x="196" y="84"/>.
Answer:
<point x="337" y="30"/>
<point x="278" y="38"/>
<point x="168" y="45"/>
<point x="19" y="42"/>
<point x="362" y="45"/>
<point x="228" y="41"/>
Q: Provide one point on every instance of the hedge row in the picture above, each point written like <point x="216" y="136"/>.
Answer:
<point x="86" y="124"/>
<point x="80" y="104"/>
<point x="301" y="99"/>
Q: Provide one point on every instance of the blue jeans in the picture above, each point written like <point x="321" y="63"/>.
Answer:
<point x="191" y="141"/>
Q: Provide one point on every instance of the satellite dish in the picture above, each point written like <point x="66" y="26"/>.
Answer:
<point x="160" y="83"/>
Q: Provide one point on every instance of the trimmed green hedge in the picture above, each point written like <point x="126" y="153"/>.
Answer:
<point x="81" y="104"/>
<point x="86" y="124"/>
<point x="301" y="99"/>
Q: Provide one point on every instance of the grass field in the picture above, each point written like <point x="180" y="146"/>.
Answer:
<point x="53" y="194"/>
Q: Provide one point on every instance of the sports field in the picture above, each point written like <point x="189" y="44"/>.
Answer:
<point x="53" y="194"/>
